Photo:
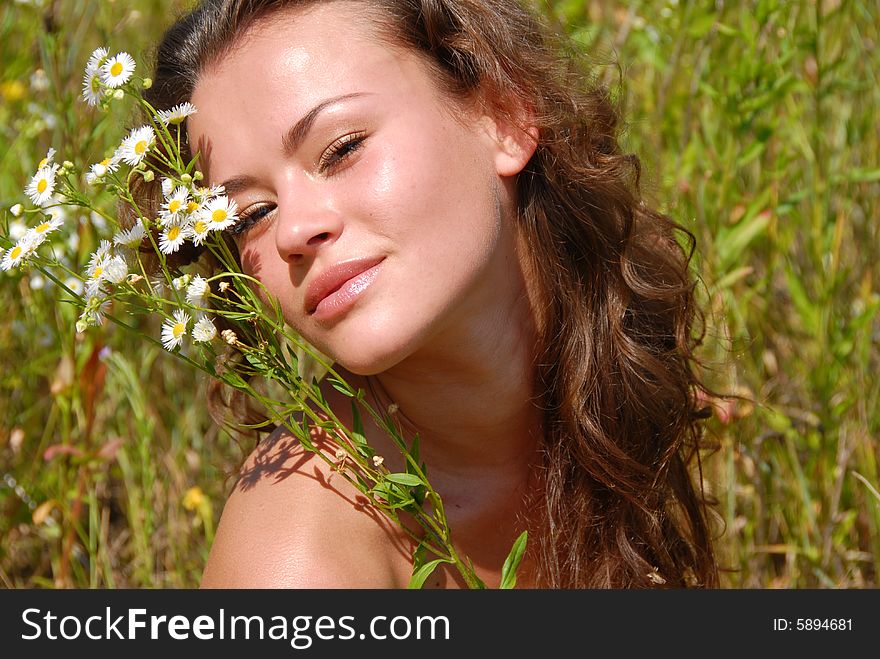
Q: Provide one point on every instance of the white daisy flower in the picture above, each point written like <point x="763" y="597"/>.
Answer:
<point x="199" y="231"/>
<point x="99" y="256"/>
<point x="174" y="207"/>
<point x="203" y="193"/>
<point x="135" y="147"/>
<point x="35" y="238"/>
<point x="100" y="169"/>
<point x="220" y="213"/>
<point x="111" y="163"/>
<point x="42" y="185"/>
<point x="171" y="239"/>
<point x="93" y="283"/>
<point x="49" y="159"/>
<point x="177" y="114"/>
<point x="97" y="58"/>
<point x="49" y="225"/>
<point x="115" y="270"/>
<point x="131" y="238"/>
<point x="117" y="70"/>
<point x="192" y="206"/>
<point x="92" y="91"/>
<point x="174" y="330"/>
<point x="204" y="330"/>
<point x="20" y="252"/>
<point x="197" y="291"/>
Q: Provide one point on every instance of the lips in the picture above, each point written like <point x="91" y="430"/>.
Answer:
<point x="331" y="280"/>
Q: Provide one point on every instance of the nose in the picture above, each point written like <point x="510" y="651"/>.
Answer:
<point x="307" y="222"/>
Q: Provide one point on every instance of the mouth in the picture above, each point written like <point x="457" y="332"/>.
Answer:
<point x="336" y="289"/>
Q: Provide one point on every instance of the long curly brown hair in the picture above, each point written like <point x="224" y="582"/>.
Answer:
<point x="616" y="372"/>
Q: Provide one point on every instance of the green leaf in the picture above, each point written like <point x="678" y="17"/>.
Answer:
<point x="732" y="243"/>
<point x="508" y="572"/>
<point x="857" y="175"/>
<point x="414" y="450"/>
<point x="752" y="153"/>
<point x="357" y="430"/>
<point x="421" y="574"/>
<point x="404" y="479"/>
<point x="341" y="387"/>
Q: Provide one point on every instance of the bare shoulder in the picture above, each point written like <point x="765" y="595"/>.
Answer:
<point x="292" y="522"/>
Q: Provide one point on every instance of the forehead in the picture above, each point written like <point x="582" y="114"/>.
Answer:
<point x="289" y="62"/>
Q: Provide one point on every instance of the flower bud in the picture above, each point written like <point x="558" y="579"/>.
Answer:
<point x="147" y="83"/>
<point x="149" y="175"/>
<point x="81" y="326"/>
<point x="179" y="283"/>
<point x="118" y="95"/>
<point x="186" y="178"/>
<point x="198" y="176"/>
<point x="16" y="210"/>
<point x="229" y="336"/>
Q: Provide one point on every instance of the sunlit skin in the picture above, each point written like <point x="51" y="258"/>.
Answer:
<point x="445" y="329"/>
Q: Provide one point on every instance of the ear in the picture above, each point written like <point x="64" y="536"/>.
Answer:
<point x="514" y="143"/>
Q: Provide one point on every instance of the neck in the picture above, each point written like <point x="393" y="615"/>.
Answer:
<point x="469" y="392"/>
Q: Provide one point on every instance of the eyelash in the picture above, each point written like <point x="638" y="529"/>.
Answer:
<point x="341" y="149"/>
<point x="331" y="160"/>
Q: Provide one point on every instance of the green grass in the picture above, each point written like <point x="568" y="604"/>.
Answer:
<point x="757" y="130"/>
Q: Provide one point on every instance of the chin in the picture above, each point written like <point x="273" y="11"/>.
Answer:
<point x="371" y="350"/>
<point x="367" y="360"/>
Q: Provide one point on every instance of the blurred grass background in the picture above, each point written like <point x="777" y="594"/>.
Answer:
<point x="757" y="126"/>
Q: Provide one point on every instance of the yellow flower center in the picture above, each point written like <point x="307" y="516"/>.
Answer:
<point x="96" y="84"/>
<point x="192" y="207"/>
<point x="218" y="215"/>
<point x="179" y="330"/>
<point x="116" y="69"/>
<point x="105" y="162"/>
<point x="97" y="272"/>
<point x="42" y="185"/>
<point x="43" y="227"/>
<point x="141" y="147"/>
<point x="16" y="252"/>
<point x="173" y="232"/>
<point x="174" y="205"/>
<point x="200" y="227"/>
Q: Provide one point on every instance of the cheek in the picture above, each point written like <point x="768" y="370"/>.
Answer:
<point x="432" y="187"/>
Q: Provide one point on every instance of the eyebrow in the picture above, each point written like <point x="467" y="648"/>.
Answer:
<point x="297" y="134"/>
<point x="292" y="139"/>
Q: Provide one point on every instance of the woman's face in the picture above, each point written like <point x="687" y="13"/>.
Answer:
<point x="377" y="219"/>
